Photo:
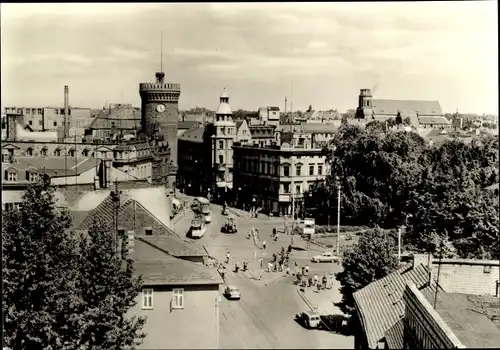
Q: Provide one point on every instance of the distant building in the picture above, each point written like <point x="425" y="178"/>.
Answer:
<point x="273" y="176"/>
<point x="184" y="126"/>
<point x="322" y="132"/>
<point x="243" y="134"/>
<point x="262" y="135"/>
<point x="420" y="113"/>
<point x="267" y="116"/>
<point x="114" y="122"/>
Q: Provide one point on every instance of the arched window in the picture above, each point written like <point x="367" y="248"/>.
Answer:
<point x="29" y="151"/>
<point x="71" y="152"/>
<point x="57" y="152"/>
<point x="85" y="152"/>
<point x="43" y="152"/>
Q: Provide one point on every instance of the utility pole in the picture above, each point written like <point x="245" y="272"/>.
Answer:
<point x="338" y="216"/>
<point x="399" y="244"/>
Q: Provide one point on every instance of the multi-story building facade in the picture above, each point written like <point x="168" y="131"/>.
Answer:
<point x="263" y="135"/>
<point x="222" y="143"/>
<point x="278" y="175"/>
<point x="267" y="116"/>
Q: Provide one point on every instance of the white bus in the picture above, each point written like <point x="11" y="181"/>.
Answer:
<point x="201" y="206"/>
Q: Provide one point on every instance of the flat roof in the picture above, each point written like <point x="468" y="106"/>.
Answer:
<point x="473" y="318"/>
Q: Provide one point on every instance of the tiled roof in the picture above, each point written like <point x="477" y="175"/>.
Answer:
<point x="172" y="245"/>
<point x="395" y="335"/>
<point x="170" y="270"/>
<point x="320" y="128"/>
<point x="428" y="120"/>
<point x="104" y="212"/>
<point x="57" y="166"/>
<point x="123" y="117"/>
<point x="380" y="304"/>
<point x="406" y="107"/>
<point x="194" y="134"/>
<point x="187" y="124"/>
<point x="466" y="317"/>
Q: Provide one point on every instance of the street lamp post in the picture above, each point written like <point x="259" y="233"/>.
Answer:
<point x="338" y="216"/>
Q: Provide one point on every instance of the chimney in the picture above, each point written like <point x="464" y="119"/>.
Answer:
<point x="66" y="111"/>
<point x="11" y="127"/>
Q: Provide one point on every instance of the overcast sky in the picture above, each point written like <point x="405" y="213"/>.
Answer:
<point x="319" y="54"/>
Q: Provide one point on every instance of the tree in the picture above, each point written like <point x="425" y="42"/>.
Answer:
<point x="63" y="290"/>
<point x="108" y="291"/>
<point x="39" y="291"/>
<point x="370" y="260"/>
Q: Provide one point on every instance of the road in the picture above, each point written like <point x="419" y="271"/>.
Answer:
<point x="265" y="315"/>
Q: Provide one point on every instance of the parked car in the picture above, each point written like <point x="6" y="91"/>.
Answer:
<point x="232" y="292"/>
<point x="325" y="257"/>
<point x="309" y="319"/>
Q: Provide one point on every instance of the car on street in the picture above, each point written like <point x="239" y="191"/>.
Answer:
<point x="325" y="257"/>
<point x="309" y="319"/>
<point x="232" y="292"/>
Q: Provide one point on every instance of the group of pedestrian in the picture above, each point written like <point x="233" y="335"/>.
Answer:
<point x="306" y="280"/>
<point x="280" y="261"/>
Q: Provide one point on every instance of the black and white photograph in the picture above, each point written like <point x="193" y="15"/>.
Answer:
<point x="250" y="175"/>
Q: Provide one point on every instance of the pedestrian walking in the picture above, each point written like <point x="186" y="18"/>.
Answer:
<point x="281" y="267"/>
<point x="228" y="256"/>
<point x="264" y="244"/>
<point x="316" y="279"/>
<point x="307" y="268"/>
<point x="261" y="262"/>
<point x="288" y="271"/>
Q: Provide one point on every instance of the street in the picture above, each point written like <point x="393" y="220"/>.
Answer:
<point x="265" y="315"/>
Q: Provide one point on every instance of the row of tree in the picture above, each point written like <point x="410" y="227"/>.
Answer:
<point x="63" y="290"/>
<point x="396" y="178"/>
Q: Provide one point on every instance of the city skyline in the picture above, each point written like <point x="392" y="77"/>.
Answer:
<point x="314" y="54"/>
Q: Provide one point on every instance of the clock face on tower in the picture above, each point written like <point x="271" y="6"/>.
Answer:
<point x="160" y="108"/>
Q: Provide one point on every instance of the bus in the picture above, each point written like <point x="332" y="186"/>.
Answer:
<point x="201" y="206"/>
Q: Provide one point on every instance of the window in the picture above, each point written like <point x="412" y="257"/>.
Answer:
<point x="298" y="169"/>
<point x="31" y="176"/>
<point x="40" y="123"/>
<point x="43" y="152"/>
<point x="147" y="298"/>
<point x="178" y="298"/>
<point x="55" y="123"/>
<point x="40" y="111"/>
<point x="297" y="189"/>
<point x="286" y="171"/>
<point x="85" y="152"/>
<point x="221" y="159"/>
<point x="20" y="111"/>
<point x="10" y="176"/>
<point x="148" y="231"/>
<point x="29" y="151"/>
<point x="487" y="269"/>
<point x="56" y="111"/>
<point x="311" y="169"/>
<point x="71" y="152"/>
<point x="320" y="169"/>
<point x="221" y="144"/>
<point x="57" y="152"/>
<point x="30" y="122"/>
<point x="286" y="188"/>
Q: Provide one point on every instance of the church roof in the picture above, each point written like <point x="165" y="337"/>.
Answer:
<point x="406" y="107"/>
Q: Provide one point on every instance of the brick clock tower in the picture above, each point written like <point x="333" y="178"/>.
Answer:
<point x="159" y="116"/>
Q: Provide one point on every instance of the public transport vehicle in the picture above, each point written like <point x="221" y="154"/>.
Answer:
<point x="198" y="227"/>
<point x="201" y="206"/>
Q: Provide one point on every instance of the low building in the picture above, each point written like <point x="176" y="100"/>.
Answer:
<point x="381" y="309"/>
<point x="448" y="321"/>
<point x="276" y="176"/>
<point x="180" y="300"/>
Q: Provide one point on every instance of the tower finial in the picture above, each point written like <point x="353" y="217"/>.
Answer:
<point x="161" y="51"/>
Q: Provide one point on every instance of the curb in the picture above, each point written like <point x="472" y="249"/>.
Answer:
<point x="311" y="307"/>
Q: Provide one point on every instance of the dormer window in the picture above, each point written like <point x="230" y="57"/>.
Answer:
<point x="31" y="176"/>
<point x="10" y="175"/>
<point x="85" y="152"/>
<point x="43" y="152"/>
<point x="71" y="152"/>
<point x="29" y="151"/>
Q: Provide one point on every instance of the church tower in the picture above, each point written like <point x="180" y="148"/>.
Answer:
<point x="222" y="145"/>
<point x="365" y="107"/>
<point x="159" y="116"/>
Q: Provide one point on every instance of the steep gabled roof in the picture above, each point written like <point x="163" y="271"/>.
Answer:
<point x="194" y="134"/>
<point x="406" y="107"/>
<point x="380" y="304"/>
<point x="172" y="245"/>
